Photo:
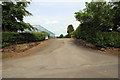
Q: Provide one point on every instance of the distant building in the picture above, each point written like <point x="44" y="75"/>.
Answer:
<point x="43" y="30"/>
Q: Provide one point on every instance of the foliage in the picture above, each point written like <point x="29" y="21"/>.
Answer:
<point x="68" y="35"/>
<point x="107" y="39"/>
<point x="13" y="14"/>
<point x="61" y="36"/>
<point x="96" y="21"/>
<point x="70" y="29"/>
<point x="77" y="32"/>
<point x="116" y="16"/>
<point x="11" y="38"/>
<point x="97" y="15"/>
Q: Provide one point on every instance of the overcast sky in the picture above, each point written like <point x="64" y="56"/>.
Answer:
<point x="54" y="16"/>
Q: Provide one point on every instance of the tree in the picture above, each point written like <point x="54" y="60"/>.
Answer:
<point x="97" y="16"/>
<point x="96" y="21"/>
<point x="116" y="16"/>
<point x="13" y="14"/>
<point x="77" y="32"/>
<point x="67" y="36"/>
<point x="61" y="36"/>
<point x="0" y="15"/>
<point x="70" y="29"/>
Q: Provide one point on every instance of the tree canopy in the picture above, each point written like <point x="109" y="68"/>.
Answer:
<point x="99" y="24"/>
<point x="116" y="16"/>
<point x="13" y="14"/>
<point x="101" y="16"/>
<point x="61" y="36"/>
<point x="70" y="29"/>
<point x="97" y="15"/>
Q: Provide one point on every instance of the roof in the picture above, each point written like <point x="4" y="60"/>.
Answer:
<point x="42" y="29"/>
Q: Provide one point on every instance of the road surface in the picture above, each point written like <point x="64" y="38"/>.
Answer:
<point x="62" y="58"/>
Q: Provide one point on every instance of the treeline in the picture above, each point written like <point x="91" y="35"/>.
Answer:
<point x="13" y="26"/>
<point x="99" y="24"/>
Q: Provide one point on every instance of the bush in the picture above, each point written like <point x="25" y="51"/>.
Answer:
<point x="107" y="39"/>
<point x="61" y="36"/>
<point x="101" y="39"/>
<point x="68" y="36"/>
<point x="10" y="38"/>
<point x="77" y="32"/>
<point x="96" y="37"/>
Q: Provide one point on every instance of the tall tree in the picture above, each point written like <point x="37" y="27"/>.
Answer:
<point x="116" y="12"/>
<point x="0" y="20"/>
<point x="13" y="14"/>
<point x="96" y="15"/>
<point x="61" y="36"/>
<point x="70" y="29"/>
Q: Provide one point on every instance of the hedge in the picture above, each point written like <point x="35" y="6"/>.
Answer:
<point x="107" y="39"/>
<point x="11" y="38"/>
<point x="99" y="39"/>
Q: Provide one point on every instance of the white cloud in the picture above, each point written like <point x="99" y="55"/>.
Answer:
<point x="37" y="20"/>
<point x="0" y="2"/>
<point x="63" y="24"/>
<point x="75" y="24"/>
<point x="50" y="22"/>
<point x="32" y="20"/>
<point x="61" y="0"/>
<point x="71" y="20"/>
<point x="59" y="30"/>
<point x="71" y="0"/>
<point x="57" y="25"/>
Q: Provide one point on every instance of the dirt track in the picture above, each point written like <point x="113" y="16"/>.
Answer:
<point x="62" y="58"/>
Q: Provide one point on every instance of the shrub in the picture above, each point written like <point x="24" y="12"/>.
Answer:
<point x="10" y="38"/>
<point x="68" y="35"/>
<point x="101" y="39"/>
<point x="77" y="32"/>
<point x="107" y="39"/>
<point x="97" y="37"/>
<point x="61" y="36"/>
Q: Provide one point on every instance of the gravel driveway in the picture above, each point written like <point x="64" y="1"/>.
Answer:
<point x="62" y="58"/>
